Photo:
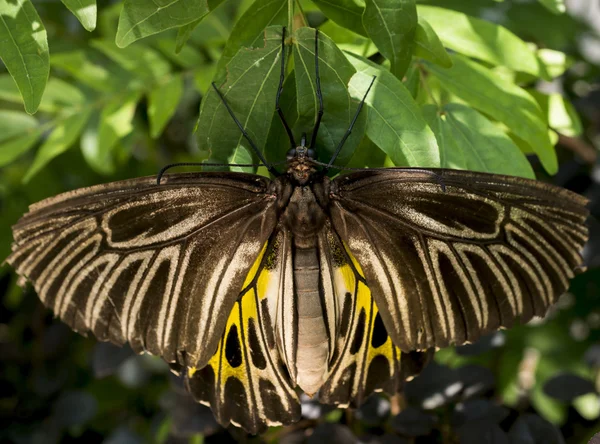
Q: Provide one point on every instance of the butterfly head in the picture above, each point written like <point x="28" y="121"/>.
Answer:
<point x="300" y="162"/>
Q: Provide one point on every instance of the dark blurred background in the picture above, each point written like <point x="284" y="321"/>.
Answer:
<point x="537" y="383"/>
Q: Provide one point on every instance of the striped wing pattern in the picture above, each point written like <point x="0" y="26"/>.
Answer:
<point x="452" y="264"/>
<point x="159" y="267"/>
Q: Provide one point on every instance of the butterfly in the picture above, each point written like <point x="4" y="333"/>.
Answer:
<point x="252" y="287"/>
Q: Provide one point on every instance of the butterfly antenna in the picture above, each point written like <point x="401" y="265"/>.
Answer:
<point x="288" y="130"/>
<point x="272" y="170"/>
<point x="313" y="139"/>
<point x="164" y="169"/>
<point x="349" y="130"/>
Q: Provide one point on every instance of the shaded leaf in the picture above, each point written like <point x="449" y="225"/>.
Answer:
<point x="79" y="66"/>
<point x="141" y="18"/>
<point x="482" y="432"/>
<point x="335" y="74"/>
<point x="84" y="10"/>
<point x="531" y="429"/>
<point x="374" y="411"/>
<point x="392" y="24"/>
<point x="183" y="35"/>
<point x="478" y="410"/>
<point x="162" y="104"/>
<point x="15" y="123"/>
<point x="502" y="100"/>
<point x="413" y="422"/>
<point x="107" y="358"/>
<point x="346" y="13"/>
<point x="250" y="28"/>
<point x="436" y="386"/>
<point x="567" y="386"/>
<point x="249" y="88"/>
<point x="75" y="408"/>
<point x="13" y="148"/>
<point x="24" y="49"/>
<point x="140" y="60"/>
<point x="428" y="45"/>
<point x="394" y="122"/>
<point x="469" y="141"/>
<point x="347" y="40"/>
<point x="476" y="380"/>
<point x="332" y="434"/>
<point x="62" y="137"/>
<point x="480" y="39"/>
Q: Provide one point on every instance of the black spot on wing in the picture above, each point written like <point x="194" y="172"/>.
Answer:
<point x="380" y="334"/>
<point x="346" y="310"/>
<point x="233" y="350"/>
<point x="359" y="333"/>
<point x="202" y="385"/>
<point x="377" y="374"/>
<point x="266" y="320"/>
<point x="273" y="408"/>
<point x="341" y="393"/>
<point x="258" y="358"/>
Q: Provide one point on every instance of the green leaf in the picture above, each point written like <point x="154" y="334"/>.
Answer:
<point x="14" y="123"/>
<point x="392" y="24"/>
<point x="142" y="18"/>
<point x="24" y="49"/>
<point x="140" y="60"/>
<point x="84" y="10"/>
<point x="428" y="45"/>
<point x="560" y="113"/>
<point x="13" y="148"/>
<point x="61" y="138"/>
<point x="554" y="6"/>
<point x="554" y="62"/>
<point x="162" y="104"/>
<point x="347" y="40"/>
<point x="183" y="35"/>
<point x="588" y="406"/>
<point x="469" y="141"/>
<point x="502" y="100"/>
<point x="188" y="57"/>
<point x="366" y="155"/>
<point x="346" y="13"/>
<point x="394" y="123"/>
<point x="481" y="39"/>
<point x="249" y="88"/>
<point x="249" y="30"/>
<point x="335" y="74"/>
<point x="58" y="94"/>
<point x="116" y="122"/>
<point x="78" y="65"/>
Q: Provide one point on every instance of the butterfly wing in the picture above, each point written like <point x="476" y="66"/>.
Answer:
<point x="158" y="266"/>
<point x="245" y="382"/>
<point x="446" y="266"/>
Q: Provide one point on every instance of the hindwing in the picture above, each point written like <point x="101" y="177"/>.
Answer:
<point x="455" y="254"/>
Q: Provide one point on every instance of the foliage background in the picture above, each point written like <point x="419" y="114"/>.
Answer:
<point x="516" y="78"/>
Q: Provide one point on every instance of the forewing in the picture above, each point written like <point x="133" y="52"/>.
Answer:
<point x="450" y="255"/>
<point x="245" y="382"/>
<point x="158" y="266"/>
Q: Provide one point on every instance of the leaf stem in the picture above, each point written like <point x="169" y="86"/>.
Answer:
<point x="422" y="73"/>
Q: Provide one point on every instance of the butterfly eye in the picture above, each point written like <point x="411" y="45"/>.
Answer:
<point x="311" y="153"/>
<point x="291" y="154"/>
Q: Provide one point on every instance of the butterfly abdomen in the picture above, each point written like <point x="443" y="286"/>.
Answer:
<point x="313" y="342"/>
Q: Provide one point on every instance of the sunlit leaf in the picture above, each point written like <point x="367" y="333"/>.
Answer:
<point x="469" y="141"/>
<point x="62" y="137"/>
<point x="588" y="406"/>
<point x="502" y="100"/>
<point x="480" y="39"/>
<point x="84" y="10"/>
<point x="392" y="24"/>
<point x="335" y="74"/>
<point x="346" y="13"/>
<point x="347" y="40"/>
<point x="141" y="18"/>
<point x="249" y="88"/>
<point x="555" y="6"/>
<point x="428" y="45"/>
<point x="560" y="113"/>
<point x="394" y="121"/>
<point x="183" y="35"/>
<point x="162" y="103"/>
<point x="24" y="49"/>
<point x="116" y="122"/>
<point x="554" y="62"/>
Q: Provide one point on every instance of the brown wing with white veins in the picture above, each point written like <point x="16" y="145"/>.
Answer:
<point x="158" y="266"/>
<point x="446" y="266"/>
